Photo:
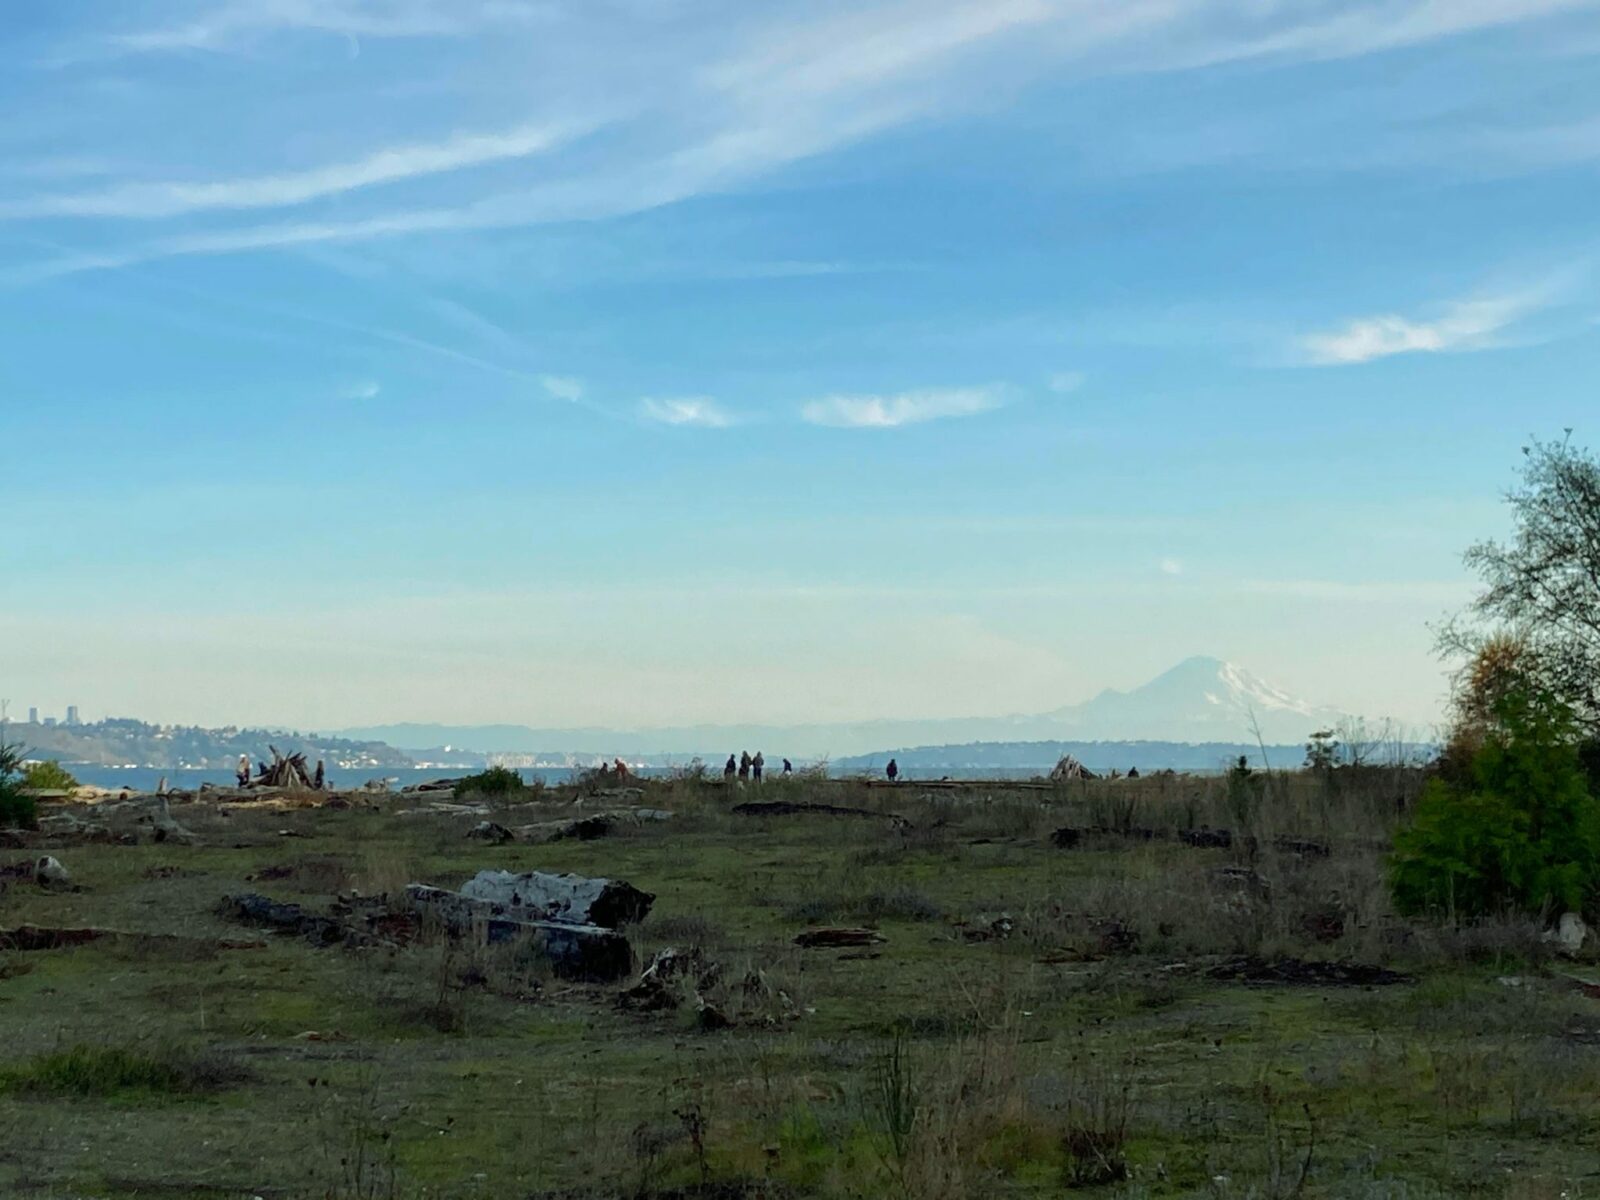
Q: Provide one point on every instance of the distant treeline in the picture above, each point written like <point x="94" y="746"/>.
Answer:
<point x="120" y="740"/>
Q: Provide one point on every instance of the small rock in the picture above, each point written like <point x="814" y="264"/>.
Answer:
<point x="1569" y="934"/>
<point x="48" y="872"/>
<point x="489" y="831"/>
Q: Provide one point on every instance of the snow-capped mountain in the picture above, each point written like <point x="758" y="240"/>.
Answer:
<point x="1199" y="700"/>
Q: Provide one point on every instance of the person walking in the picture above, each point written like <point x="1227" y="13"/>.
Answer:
<point x="788" y="768"/>
<point x="892" y="770"/>
<point x="756" y="764"/>
<point x="728" y="768"/>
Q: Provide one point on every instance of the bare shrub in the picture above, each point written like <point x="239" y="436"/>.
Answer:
<point x="1096" y="1115"/>
<point x="385" y="869"/>
<point x="355" y="1141"/>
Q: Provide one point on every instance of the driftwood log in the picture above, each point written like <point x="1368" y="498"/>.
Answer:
<point x="572" y="899"/>
<point x="579" y="952"/>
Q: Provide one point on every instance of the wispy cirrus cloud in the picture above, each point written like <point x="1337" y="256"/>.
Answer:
<point x="686" y="410"/>
<point x="717" y="104"/>
<point x="904" y="408"/>
<point x="222" y="26"/>
<point x="1463" y="325"/>
<point x="562" y="387"/>
<point x="389" y="165"/>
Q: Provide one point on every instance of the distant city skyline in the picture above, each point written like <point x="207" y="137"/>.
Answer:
<point x="567" y="365"/>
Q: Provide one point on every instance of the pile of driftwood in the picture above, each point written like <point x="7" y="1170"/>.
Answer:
<point x="285" y="771"/>
<point x="1069" y="768"/>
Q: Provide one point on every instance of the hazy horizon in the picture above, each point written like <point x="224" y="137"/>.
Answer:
<point x="568" y="365"/>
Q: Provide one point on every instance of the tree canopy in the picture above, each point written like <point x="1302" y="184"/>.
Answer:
<point x="1544" y="582"/>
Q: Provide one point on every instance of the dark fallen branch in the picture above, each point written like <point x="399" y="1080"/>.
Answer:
<point x="829" y="938"/>
<point x="252" y="908"/>
<point x="797" y="808"/>
<point x="1299" y="972"/>
<point x="1204" y="838"/>
<point x="43" y="937"/>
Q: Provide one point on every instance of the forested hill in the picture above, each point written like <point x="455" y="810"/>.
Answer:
<point x="122" y="742"/>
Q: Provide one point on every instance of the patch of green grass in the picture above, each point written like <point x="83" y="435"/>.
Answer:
<point x="108" y="1072"/>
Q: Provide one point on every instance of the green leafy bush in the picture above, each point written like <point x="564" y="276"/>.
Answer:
<point x="1521" y="830"/>
<point x="48" y="777"/>
<point x="17" y="810"/>
<point x="496" y="781"/>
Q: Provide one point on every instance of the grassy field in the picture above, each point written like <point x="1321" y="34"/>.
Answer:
<point x="1036" y="1018"/>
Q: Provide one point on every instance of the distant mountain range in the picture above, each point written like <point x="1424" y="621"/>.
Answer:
<point x="1199" y="701"/>
<point x="1103" y="757"/>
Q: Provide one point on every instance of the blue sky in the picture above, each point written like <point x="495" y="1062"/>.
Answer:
<point x="637" y="363"/>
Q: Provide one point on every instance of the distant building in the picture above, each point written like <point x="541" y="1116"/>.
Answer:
<point x="72" y="714"/>
<point x="33" y="716"/>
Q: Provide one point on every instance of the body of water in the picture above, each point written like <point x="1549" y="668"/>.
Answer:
<point x="145" y="779"/>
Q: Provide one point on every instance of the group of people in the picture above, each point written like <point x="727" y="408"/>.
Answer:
<point x="750" y="767"/>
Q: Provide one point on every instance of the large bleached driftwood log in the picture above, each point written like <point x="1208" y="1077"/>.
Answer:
<point x="574" y="899"/>
<point x="582" y="952"/>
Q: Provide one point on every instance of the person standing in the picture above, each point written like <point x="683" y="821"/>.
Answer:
<point x="756" y="764"/>
<point x="243" y="771"/>
<point x="744" y="765"/>
<point x="320" y="777"/>
<point x="728" y="769"/>
<point x="892" y="770"/>
<point x="788" y="768"/>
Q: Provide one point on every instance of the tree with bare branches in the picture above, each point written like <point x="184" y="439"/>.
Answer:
<point x="1541" y="588"/>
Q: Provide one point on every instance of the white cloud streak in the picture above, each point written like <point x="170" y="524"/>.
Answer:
<point x="906" y="408"/>
<point x="1464" y="325"/>
<point x="700" y="411"/>
<point x="219" y="27"/>
<point x="390" y="165"/>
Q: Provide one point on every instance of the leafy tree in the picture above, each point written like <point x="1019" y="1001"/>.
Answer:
<point x="1322" y="752"/>
<point x="48" y="776"/>
<point x="1520" y="831"/>
<point x="17" y="809"/>
<point x="1544" y="583"/>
